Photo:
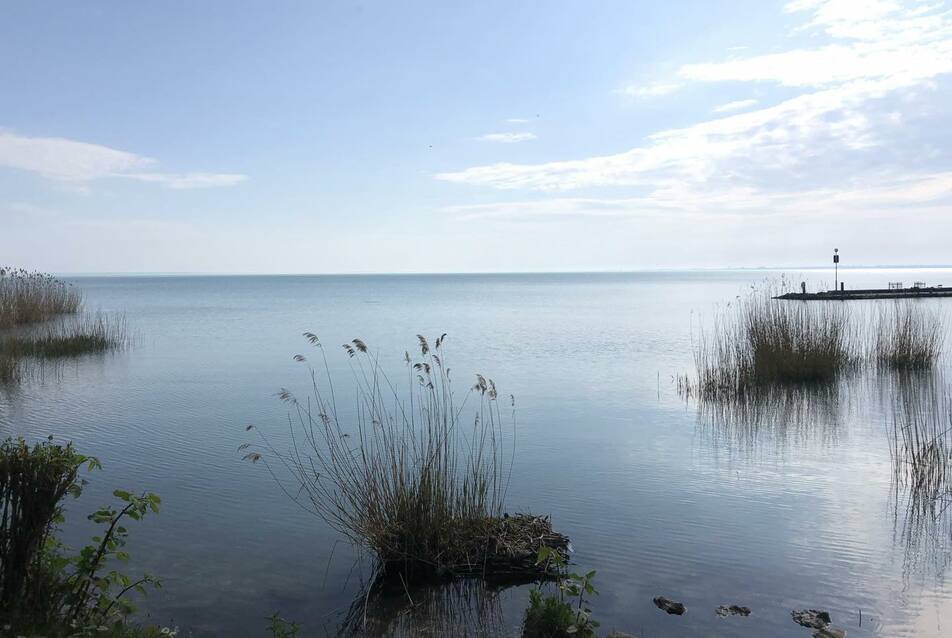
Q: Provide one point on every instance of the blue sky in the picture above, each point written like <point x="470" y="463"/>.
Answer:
<point x="493" y="136"/>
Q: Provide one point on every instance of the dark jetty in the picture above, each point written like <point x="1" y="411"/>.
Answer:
<point x="869" y="293"/>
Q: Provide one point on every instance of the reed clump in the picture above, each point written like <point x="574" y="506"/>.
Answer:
<point x="908" y="336"/>
<point x="90" y="333"/>
<point x="31" y="297"/>
<point x="759" y="342"/>
<point x="33" y="481"/>
<point x="418" y="478"/>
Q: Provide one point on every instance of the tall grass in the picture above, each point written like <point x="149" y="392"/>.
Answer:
<point x="908" y="336"/>
<point x="759" y="342"/>
<point x="417" y="476"/>
<point x="31" y="297"/>
<point x="921" y="452"/>
<point x="90" y="333"/>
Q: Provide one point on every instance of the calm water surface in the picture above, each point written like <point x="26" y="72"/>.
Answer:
<point x="775" y="509"/>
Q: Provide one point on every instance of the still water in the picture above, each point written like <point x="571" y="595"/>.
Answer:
<point x="778" y="508"/>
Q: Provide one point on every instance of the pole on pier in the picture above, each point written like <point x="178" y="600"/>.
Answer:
<point x="836" y="268"/>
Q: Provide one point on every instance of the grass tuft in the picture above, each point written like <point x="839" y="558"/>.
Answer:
<point x="760" y="342"/>
<point x="90" y="334"/>
<point x="908" y="336"/>
<point x="418" y="478"/>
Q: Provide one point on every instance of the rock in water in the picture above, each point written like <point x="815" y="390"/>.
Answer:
<point x="669" y="606"/>
<point x="619" y="634"/>
<point x="811" y="618"/>
<point x="732" y="610"/>
<point x="830" y="632"/>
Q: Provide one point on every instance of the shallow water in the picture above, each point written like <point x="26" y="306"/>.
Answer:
<point x="780" y="507"/>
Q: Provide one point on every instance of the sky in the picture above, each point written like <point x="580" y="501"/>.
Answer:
<point x="343" y="137"/>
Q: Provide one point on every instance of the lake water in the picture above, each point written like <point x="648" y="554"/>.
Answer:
<point x="778" y="509"/>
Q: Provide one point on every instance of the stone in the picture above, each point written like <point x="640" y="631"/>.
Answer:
<point x="811" y="618"/>
<point x="670" y="606"/>
<point x="618" y="634"/>
<point x="732" y="610"/>
<point x="830" y="632"/>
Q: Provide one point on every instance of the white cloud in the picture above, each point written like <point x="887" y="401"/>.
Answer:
<point x="59" y="158"/>
<point x="856" y="198"/>
<point x="190" y="180"/>
<point x="739" y="105"/>
<point x="846" y="122"/>
<point x="507" y="138"/>
<point x="517" y="120"/>
<point x="67" y="160"/>
<point x="651" y="90"/>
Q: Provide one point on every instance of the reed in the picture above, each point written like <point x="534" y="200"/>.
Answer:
<point x="758" y="342"/>
<point x="9" y="369"/>
<point x="32" y="297"/>
<point x="417" y="477"/>
<point x="908" y="336"/>
<point x="33" y="481"/>
<point x="87" y="334"/>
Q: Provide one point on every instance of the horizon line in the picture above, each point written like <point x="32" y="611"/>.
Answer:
<point x="186" y="273"/>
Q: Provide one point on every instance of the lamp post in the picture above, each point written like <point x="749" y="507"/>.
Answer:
<point x="836" y="269"/>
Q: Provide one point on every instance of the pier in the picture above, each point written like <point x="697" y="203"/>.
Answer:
<point x="842" y="294"/>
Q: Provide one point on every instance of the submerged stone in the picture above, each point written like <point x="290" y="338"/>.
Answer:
<point x="732" y="610"/>
<point x="811" y="618"/>
<point x="670" y="606"/>
<point x="830" y="632"/>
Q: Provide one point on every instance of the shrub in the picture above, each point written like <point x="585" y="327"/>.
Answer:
<point x="43" y="591"/>
<point x="33" y="482"/>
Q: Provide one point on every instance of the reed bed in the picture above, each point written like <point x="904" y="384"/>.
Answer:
<point x="88" y="334"/>
<point x="908" y="336"/>
<point x="31" y="297"/>
<point x="415" y="476"/>
<point x="759" y="342"/>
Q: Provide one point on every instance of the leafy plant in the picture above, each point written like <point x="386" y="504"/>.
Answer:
<point x="282" y="628"/>
<point x="100" y="596"/>
<point x="563" y="614"/>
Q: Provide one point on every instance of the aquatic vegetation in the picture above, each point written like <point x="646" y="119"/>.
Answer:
<point x="90" y="333"/>
<point x="760" y="342"/>
<point x="469" y="607"/>
<point x="920" y="448"/>
<point x="9" y="369"/>
<point x="33" y="481"/>
<point x="565" y="613"/>
<point x="31" y="297"/>
<point x="408" y="476"/>
<point x="43" y="590"/>
<point x="908" y="336"/>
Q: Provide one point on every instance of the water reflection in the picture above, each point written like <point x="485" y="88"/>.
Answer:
<point x="780" y="415"/>
<point x="468" y="607"/>
<point x="920" y="436"/>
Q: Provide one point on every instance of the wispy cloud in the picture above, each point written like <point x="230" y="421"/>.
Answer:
<point x="739" y="105"/>
<point x="877" y="60"/>
<point x="516" y="120"/>
<point x="68" y="160"/>
<point x="507" y="138"/>
<point x="856" y="197"/>
<point x="651" y="90"/>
